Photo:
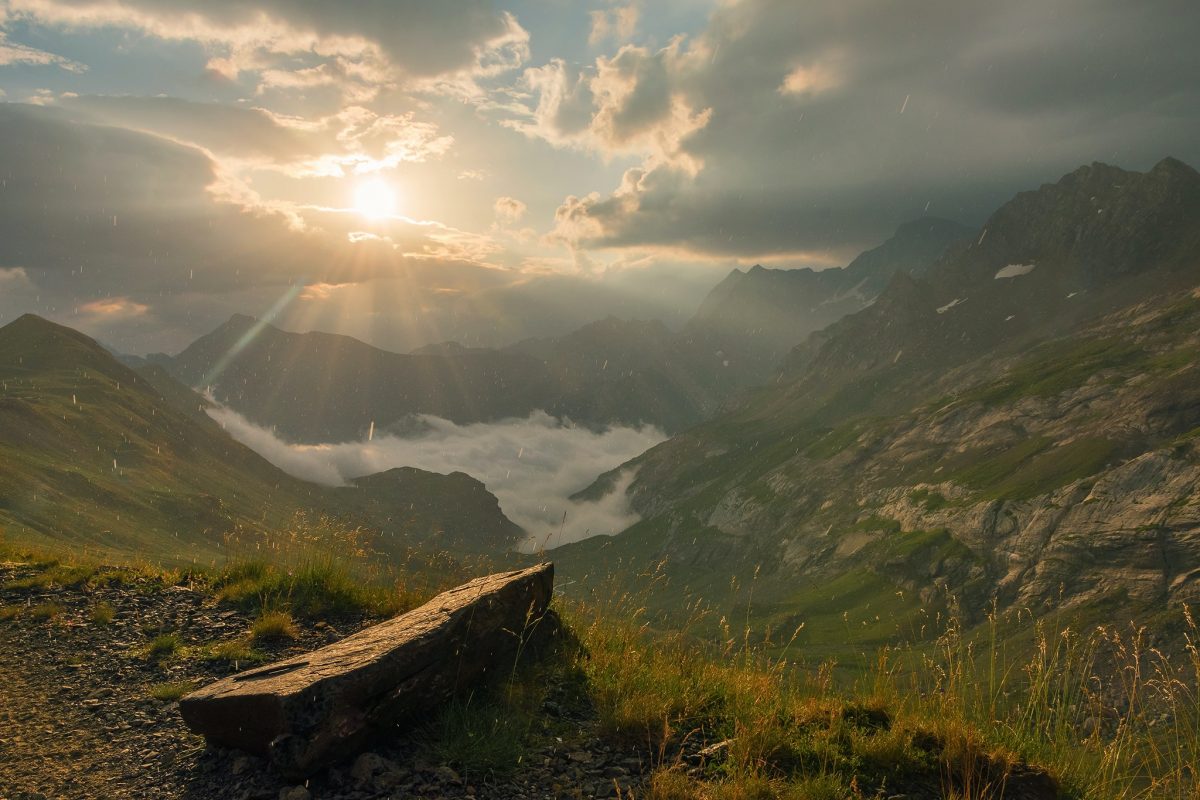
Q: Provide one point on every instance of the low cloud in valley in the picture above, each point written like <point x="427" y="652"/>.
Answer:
<point x="532" y="465"/>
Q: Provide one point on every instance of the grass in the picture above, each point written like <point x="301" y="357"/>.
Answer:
<point x="103" y="613"/>
<point x="172" y="690"/>
<point x="163" y="646"/>
<point x="929" y="499"/>
<point x="1097" y="710"/>
<point x="1105" y="713"/>
<point x="46" y="611"/>
<point x="315" y="568"/>
<point x="274" y="625"/>
<point x="1058" y="366"/>
<point x="55" y="575"/>
<point x="9" y="612"/>
<point x="238" y="653"/>
<point x="1032" y="467"/>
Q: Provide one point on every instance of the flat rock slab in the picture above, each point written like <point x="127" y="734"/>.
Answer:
<point x="305" y="711"/>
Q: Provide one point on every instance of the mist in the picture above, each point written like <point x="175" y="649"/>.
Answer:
<point x="532" y="465"/>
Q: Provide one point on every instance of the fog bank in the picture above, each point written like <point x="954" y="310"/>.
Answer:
<point x="532" y="465"/>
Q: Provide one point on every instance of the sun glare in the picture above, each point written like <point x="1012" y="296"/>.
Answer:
<point x="375" y="199"/>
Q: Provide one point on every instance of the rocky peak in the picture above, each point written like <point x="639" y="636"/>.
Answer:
<point x="1098" y="221"/>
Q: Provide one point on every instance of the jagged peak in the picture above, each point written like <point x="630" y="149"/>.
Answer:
<point x="1171" y="166"/>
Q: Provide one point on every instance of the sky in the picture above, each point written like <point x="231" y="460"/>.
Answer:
<point x="411" y="171"/>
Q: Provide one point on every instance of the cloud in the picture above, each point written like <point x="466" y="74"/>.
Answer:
<point x="14" y="278"/>
<point x="114" y="308"/>
<point x="811" y="79"/>
<point x="87" y="209"/>
<point x="617" y="23"/>
<point x="321" y="291"/>
<point x="778" y="129"/>
<point x="15" y="53"/>
<point x="410" y="37"/>
<point x="630" y="103"/>
<point x="532" y="465"/>
<point x="353" y="140"/>
<point x="508" y="210"/>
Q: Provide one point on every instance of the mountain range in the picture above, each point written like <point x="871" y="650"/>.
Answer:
<point x="1017" y="428"/>
<point x="1002" y="422"/>
<point x="608" y="372"/>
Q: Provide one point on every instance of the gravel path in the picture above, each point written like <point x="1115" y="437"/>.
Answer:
<point x="77" y="719"/>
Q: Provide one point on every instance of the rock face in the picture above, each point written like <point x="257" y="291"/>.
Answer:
<point x="306" y="710"/>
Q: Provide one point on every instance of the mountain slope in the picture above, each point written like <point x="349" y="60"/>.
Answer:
<point x="1036" y="442"/>
<point x="752" y="319"/>
<point x="320" y="387"/>
<point x="94" y="454"/>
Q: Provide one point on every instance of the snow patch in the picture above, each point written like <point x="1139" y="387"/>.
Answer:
<point x="956" y="301"/>
<point x="1014" y="271"/>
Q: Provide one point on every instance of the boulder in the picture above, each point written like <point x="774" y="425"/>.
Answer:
<point x="305" y="711"/>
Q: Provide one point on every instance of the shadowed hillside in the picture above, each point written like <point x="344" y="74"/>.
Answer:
<point x="97" y="455"/>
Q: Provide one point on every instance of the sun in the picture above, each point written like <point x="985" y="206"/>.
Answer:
<point x="375" y="199"/>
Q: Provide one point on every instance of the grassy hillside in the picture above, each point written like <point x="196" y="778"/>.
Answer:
<point x="95" y="455"/>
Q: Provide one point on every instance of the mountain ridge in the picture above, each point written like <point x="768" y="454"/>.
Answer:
<point x="607" y="372"/>
<point x="939" y="445"/>
<point x="96" y="454"/>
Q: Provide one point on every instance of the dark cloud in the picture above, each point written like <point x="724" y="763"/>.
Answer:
<point x="828" y="124"/>
<point x="420" y="38"/>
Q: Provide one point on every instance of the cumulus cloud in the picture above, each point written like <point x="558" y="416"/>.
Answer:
<point x="629" y="103"/>
<point x="532" y="465"/>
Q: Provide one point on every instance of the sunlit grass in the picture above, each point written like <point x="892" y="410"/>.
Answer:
<point x="44" y="612"/>
<point x="316" y="568"/>
<point x="163" y="646"/>
<point x="238" y="653"/>
<point x="102" y="613"/>
<point x="172" y="690"/>
<point x="274" y="625"/>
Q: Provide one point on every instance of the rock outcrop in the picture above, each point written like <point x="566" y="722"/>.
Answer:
<point x="304" y="711"/>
